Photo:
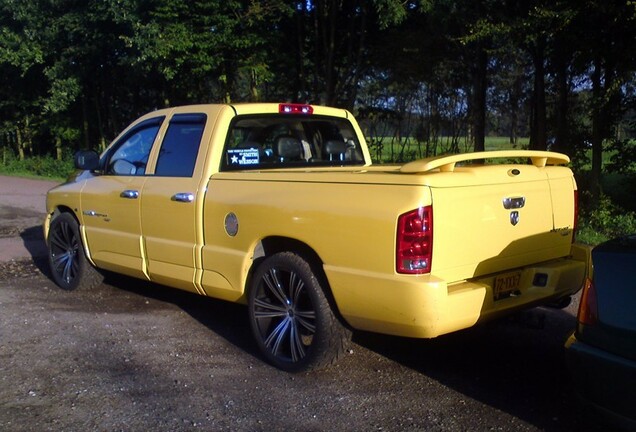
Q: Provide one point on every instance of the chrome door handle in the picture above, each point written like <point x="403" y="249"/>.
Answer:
<point x="186" y="197"/>
<point x="130" y="194"/>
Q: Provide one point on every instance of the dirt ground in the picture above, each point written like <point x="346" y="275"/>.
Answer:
<point x="132" y="356"/>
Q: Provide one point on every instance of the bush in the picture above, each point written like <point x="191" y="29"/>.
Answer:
<point x="41" y="166"/>
<point x="607" y="220"/>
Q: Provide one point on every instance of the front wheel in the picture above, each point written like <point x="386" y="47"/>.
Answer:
<point x="69" y="267"/>
<point x="291" y="319"/>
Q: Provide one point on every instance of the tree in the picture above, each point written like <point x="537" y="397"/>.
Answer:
<point x="214" y="50"/>
<point x="21" y="64"/>
<point x="79" y="71"/>
<point x="608" y="50"/>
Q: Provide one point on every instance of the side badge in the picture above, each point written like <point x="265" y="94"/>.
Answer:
<point x="231" y="224"/>
<point x="514" y="217"/>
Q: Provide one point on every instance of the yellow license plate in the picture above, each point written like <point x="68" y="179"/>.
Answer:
<point x="506" y="285"/>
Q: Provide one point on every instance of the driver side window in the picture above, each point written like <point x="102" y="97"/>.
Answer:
<point x="131" y="153"/>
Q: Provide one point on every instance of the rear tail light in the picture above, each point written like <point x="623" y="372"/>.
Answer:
<point x="414" y="253"/>
<point x="588" y="307"/>
<point x="295" y="109"/>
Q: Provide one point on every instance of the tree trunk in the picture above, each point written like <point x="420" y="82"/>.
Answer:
<point x="561" y="62"/>
<point x="480" y="88"/>
<point x="100" y="125"/>
<point x="597" y="131"/>
<point x="515" y="95"/>
<point x="28" y="137"/>
<point x="58" y="148"/>
<point x="356" y="55"/>
<point x="539" y="125"/>
<point x="300" y="92"/>
<point x="325" y="20"/>
<point x="19" y="141"/>
<point x="254" y="95"/>
<point x="85" y="124"/>
<point x="561" y="142"/>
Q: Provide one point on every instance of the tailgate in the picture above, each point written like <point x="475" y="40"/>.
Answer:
<point x="493" y="218"/>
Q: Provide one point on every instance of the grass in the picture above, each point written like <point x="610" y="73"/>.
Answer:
<point x="589" y="236"/>
<point x="390" y="150"/>
<point x="38" y="167"/>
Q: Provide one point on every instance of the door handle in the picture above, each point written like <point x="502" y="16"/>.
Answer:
<point x="514" y="203"/>
<point x="130" y="194"/>
<point x="185" y="197"/>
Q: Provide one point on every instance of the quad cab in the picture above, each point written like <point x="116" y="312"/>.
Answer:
<point x="278" y="206"/>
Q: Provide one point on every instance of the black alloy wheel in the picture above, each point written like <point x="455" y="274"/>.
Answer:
<point x="69" y="267"/>
<point x="291" y="318"/>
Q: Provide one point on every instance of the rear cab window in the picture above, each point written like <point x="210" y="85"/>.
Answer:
<point x="276" y="141"/>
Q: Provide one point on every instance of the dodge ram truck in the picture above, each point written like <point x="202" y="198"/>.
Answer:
<point x="279" y="207"/>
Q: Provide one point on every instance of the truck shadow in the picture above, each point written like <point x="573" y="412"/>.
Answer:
<point x="515" y="364"/>
<point x="228" y="320"/>
<point x="34" y="243"/>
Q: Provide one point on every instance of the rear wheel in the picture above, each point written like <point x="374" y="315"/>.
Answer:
<point x="69" y="267"/>
<point x="291" y="319"/>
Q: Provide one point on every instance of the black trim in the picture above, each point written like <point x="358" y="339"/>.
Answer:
<point x="189" y="118"/>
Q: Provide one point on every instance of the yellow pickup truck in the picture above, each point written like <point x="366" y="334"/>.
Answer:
<point x="278" y="206"/>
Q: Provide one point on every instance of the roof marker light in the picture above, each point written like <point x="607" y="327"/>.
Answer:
<point x="295" y="109"/>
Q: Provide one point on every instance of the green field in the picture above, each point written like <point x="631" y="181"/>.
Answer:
<point x="391" y="150"/>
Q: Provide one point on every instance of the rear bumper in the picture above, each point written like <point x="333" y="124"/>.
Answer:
<point x="426" y="307"/>
<point x="604" y="381"/>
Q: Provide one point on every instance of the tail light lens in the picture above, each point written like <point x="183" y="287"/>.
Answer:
<point x="588" y="307"/>
<point x="414" y="253"/>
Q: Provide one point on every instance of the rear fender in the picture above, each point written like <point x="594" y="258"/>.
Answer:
<point x="272" y="245"/>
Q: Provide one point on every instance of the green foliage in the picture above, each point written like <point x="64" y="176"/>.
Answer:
<point x="393" y="12"/>
<point x="604" y="221"/>
<point x="589" y="236"/>
<point x="19" y="44"/>
<point x="623" y="156"/>
<point x="63" y="92"/>
<point x="37" y="166"/>
<point x="77" y="72"/>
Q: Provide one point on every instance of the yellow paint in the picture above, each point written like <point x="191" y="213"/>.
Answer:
<point x="348" y="217"/>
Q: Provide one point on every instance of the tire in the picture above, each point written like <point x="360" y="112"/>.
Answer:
<point x="294" y="326"/>
<point x="69" y="266"/>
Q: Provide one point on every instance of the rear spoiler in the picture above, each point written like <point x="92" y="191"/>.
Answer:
<point x="446" y="163"/>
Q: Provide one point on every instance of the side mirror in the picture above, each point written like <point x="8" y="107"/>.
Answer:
<point x="86" y="160"/>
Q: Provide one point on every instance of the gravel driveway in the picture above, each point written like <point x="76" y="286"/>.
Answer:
<point x="132" y="356"/>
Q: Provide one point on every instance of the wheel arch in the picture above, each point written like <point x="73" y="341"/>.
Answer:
<point x="62" y="209"/>
<point x="55" y="213"/>
<point x="269" y="246"/>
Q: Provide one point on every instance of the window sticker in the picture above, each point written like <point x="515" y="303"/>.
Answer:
<point x="243" y="157"/>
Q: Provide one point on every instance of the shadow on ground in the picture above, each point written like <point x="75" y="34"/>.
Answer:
<point x="515" y="365"/>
